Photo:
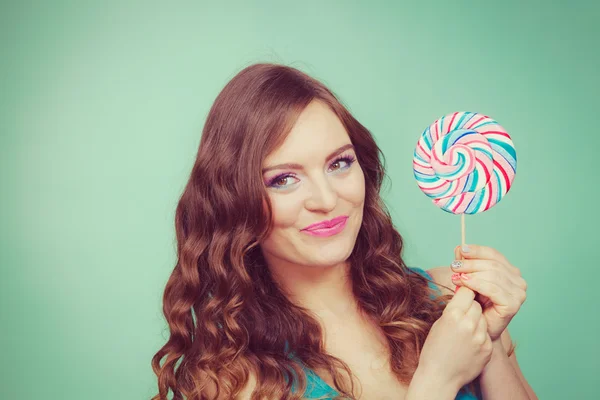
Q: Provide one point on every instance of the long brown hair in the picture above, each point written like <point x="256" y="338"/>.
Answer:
<point x="226" y="314"/>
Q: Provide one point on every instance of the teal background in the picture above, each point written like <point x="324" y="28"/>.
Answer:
<point x="101" y="108"/>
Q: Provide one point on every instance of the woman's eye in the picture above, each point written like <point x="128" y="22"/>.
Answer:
<point x="282" y="181"/>
<point x="342" y="163"/>
<point x="285" y="181"/>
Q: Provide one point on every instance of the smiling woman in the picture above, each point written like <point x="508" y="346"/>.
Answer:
<point x="319" y="184"/>
<point x="289" y="281"/>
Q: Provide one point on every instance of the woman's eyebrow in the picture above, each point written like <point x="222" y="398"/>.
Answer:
<point x="298" y="166"/>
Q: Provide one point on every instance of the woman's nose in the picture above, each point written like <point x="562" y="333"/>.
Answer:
<point x="322" y="196"/>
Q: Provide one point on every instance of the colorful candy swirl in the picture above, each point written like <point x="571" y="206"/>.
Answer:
<point x="465" y="162"/>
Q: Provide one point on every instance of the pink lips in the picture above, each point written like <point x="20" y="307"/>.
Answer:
<point x="327" y="228"/>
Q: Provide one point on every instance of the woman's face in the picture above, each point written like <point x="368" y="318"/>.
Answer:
<point x="320" y="181"/>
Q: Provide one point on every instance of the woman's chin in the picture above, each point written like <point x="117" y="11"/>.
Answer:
<point x="329" y="259"/>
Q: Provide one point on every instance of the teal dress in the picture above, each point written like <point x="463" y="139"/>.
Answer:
<point x="317" y="388"/>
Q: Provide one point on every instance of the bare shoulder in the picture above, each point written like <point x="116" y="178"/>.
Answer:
<point x="442" y="277"/>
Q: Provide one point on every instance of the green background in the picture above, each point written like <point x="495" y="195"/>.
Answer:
<point x="101" y="109"/>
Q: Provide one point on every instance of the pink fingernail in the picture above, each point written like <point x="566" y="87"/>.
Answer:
<point x="465" y="276"/>
<point x="455" y="277"/>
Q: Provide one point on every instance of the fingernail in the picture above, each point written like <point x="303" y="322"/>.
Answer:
<point x="456" y="264"/>
<point x="465" y="248"/>
<point x="465" y="276"/>
<point x="455" y="277"/>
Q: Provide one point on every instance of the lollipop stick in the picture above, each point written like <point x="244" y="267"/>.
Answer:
<point x="462" y="223"/>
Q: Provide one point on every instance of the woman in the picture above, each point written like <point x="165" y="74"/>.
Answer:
<point x="290" y="282"/>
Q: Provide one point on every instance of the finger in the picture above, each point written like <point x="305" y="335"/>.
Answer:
<point x="476" y="265"/>
<point x="482" y="252"/>
<point x="482" y="326"/>
<point x="490" y="285"/>
<point x="520" y="282"/>
<point x="474" y="314"/>
<point x="499" y="277"/>
<point x="461" y="301"/>
<point x="458" y="287"/>
<point x="494" y="267"/>
<point x="481" y="334"/>
<point x="487" y="253"/>
<point x="456" y="281"/>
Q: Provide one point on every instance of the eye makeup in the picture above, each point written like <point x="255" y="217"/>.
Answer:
<point x="349" y="159"/>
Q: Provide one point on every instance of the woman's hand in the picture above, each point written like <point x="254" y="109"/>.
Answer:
<point x="501" y="289"/>
<point x="456" y="350"/>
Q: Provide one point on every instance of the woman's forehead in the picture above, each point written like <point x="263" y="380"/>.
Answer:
<point x="316" y="134"/>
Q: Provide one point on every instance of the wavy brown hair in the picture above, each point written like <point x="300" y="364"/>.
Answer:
<point x="227" y="315"/>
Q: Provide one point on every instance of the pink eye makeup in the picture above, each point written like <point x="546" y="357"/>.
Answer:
<point x="283" y="181"/>
<point x="279" y="178"/>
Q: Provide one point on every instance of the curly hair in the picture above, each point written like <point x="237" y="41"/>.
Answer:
<point x="226" y="314"/>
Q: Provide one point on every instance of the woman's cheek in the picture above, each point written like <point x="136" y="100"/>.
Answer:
<point x="286" y="209"/>
<point x="353" y="189"/>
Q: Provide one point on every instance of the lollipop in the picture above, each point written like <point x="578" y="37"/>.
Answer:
<point x="465" y="162"/>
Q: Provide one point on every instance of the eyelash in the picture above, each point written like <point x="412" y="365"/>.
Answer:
<point x="349" y="159"/>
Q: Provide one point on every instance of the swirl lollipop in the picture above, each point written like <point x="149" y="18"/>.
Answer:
<point x="465" y="162"/>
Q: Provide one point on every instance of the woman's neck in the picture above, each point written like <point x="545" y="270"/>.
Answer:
<point x="326" y="291"/>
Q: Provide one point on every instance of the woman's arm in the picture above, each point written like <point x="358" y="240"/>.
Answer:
<point x="502" y="378"/>
<point x="424" y="386"/>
